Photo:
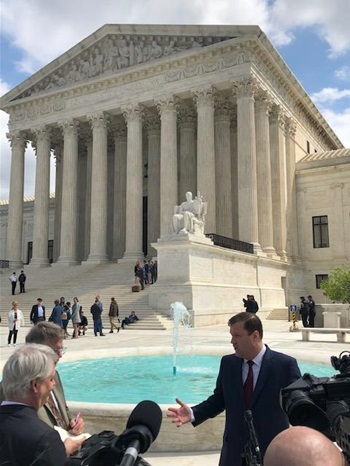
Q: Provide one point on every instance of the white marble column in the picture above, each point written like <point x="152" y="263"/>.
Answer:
<point x="82" y="199"/>
<point x="168" y="163"/>
<point x="153" y="197"/>
<point x="58" y="154"/>
<point x="119" y="213"/>
<point x="69" y="216"/>
<point x="291" y="204"/>
<point x="41" y="198"/>
<point x="246" y="170"/>
<point x="278" y="179"/>
<point x="98" y="222"/>
<point x="223" y="168"/>
<point x="187" y="151"/>
<point x="263" y="171"/>
<point x="234" y="175"/>
<point x="206" y="185"/>
<point x="88" y="142"/>
<point x="134" y="184"/>
<point x="18" y="143"/>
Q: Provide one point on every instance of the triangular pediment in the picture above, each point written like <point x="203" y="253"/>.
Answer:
<point x="114" y="48"/>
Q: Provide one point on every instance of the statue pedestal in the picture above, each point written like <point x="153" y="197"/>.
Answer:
<point x="211" y="281"/>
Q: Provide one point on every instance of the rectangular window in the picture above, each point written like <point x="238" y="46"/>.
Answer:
<point x="320" y="231"/>
<point x="319" y="280"/>
<point x="308" y="147"/>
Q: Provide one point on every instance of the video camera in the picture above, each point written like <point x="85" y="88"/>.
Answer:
<point x="108" y="449"/>
<point x="323" y="403"/>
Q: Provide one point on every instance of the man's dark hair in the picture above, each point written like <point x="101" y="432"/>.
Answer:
<point x="251" y="322"/>
<point x="43" y="332"/>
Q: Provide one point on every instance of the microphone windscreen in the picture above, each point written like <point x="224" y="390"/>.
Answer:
<point x="147" y="413"/>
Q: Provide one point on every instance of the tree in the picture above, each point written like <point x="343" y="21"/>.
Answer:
<point x="337" y="285"/>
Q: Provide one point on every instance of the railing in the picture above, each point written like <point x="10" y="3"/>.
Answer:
<point x="4" y="264"/>
<point x="230" y="243"/>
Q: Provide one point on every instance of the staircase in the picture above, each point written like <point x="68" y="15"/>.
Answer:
<point x="85" y="282"/>
<point x="278" y="314"/>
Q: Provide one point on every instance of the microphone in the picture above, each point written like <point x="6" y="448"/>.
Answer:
<point x="142" y="429"/>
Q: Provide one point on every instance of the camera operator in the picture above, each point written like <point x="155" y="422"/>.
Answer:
<point x="302" y="446"/>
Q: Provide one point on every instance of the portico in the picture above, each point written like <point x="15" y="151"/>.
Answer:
<point x="135" y="116"/>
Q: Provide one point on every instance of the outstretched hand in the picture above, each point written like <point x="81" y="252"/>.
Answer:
<point x="180" y="416"/>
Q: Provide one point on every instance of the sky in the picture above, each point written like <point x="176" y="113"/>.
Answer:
<point x="313" y="37"/>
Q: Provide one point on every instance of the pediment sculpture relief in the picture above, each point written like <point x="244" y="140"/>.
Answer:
<point x="114" y="53"/>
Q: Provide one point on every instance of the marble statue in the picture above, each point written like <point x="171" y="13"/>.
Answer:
<point x="189" y="217"/>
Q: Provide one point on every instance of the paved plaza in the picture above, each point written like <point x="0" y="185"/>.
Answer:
<point x="214" y="338"/>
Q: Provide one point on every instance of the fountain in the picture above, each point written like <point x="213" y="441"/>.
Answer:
<point x="181" y="316"/>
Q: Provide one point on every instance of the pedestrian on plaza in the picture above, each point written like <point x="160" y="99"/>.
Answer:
<point x="22" y="280"/>
<point x="37" y="313"/>
<point x="15" y="320"/>
<point x="250" y="379"/>
<point x="56" y="314"/>
<point x="96" y="311"/>
<point x="312" y="311"/>
<point x="66" y="316"/>
<point x="76" y="317"/>
<point x="83" y="323"/>
<point x="13" y="280"/>
<point x="113" y="315"/>
<point x="304" y="311"/>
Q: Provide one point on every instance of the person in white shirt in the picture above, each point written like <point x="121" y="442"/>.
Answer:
<point x="15" y="320"/>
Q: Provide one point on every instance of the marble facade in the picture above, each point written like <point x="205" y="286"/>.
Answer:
<point x="135" y="116"/>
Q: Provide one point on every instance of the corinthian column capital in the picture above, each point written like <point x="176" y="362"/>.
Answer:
<point x="98" y="120"/>
<point x="69" y="127"/>
<point x="167" y="105"/>
<point x="133" y="113"/>
<point x="263" y="101"/>
<point x="278" y="116"/>
<point x="204" y="97"/>
<point x="245" y="87"/>
<point x="17" y="140"/>
<point x="290" y="127"/>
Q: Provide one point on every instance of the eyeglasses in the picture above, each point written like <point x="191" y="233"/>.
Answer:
<point x="60" y="350"/>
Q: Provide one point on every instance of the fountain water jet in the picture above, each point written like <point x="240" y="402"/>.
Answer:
<point x="181" y="316"/>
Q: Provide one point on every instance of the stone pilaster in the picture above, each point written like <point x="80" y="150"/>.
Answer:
<point x="168" y="162"/>
<point x="291" y="220"/>
<point x="98" y="222"/>
<point x="246" y="169"/>
<point x="41" y="198"/>
<point x="338" y="225"/>
<point x="69" y="217"/>
<point x="304" y="233"/>
<point x="58" y="150"/>
<point x="263" y="172"/>
<point x="187" y="151"/>
<point x="278" y="178"/>
<point x="82" y="199"/>
<point x="18" y="143"/>
<point x="206" y="185"/>
<point x="153" y="198"/>
<point x="134" y="170"/>
<point x="223" y="168"/>
<point x="234" y="175"/>
<point x="119" y="215"/>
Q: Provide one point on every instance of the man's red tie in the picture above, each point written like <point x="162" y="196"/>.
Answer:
<point x="249" y="384"/>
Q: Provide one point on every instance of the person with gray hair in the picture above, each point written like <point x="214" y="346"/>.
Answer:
<point x="28" y="378"/>
<point x="54" y="411"/>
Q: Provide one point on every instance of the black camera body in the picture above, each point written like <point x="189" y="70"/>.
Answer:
<point x="104" y="449"/>
<point x="323" y="403"/>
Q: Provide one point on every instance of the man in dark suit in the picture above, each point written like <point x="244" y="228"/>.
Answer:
<point x="24" y="438"/>
<point x="37" y="313"/>
<point x="249" y="379"/>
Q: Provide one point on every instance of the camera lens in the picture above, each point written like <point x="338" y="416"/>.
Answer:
<point x="302" y="411"/>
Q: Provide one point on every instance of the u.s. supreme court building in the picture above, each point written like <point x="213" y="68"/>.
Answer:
<point x="136" y="116"/>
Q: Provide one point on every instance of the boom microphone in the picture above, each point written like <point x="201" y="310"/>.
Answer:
<point x="142" y="429"/>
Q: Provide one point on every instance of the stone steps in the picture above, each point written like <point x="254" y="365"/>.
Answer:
<point x="278" y="314"/>
<point x="86" y="281"/>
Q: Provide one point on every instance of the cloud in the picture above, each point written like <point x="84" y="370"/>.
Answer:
<point x="330" y="95"/>
<point x="340" y="122"/>
<point x="343" y="73"/>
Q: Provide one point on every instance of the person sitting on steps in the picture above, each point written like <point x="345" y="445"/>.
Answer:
<point x="130" y="320"/>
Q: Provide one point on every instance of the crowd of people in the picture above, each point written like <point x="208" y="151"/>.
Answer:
<point x="146" y="273"/>
<point x="307" y="310"/>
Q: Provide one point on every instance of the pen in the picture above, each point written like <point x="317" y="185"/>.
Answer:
<point x="77" y="417"/>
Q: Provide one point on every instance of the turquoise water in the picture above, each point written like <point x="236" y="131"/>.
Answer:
<point x="135" y="378"/>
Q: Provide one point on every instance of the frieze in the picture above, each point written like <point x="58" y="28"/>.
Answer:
<point x="113" y="53"/>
